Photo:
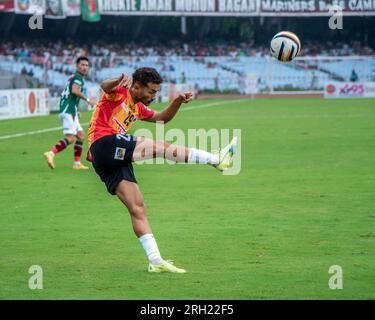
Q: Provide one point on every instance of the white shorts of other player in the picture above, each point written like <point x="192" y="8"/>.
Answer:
<point x="70" y="125"/>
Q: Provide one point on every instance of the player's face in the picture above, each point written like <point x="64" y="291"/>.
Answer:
<point x="147" y="94"/>
<point x="83" y="67"/>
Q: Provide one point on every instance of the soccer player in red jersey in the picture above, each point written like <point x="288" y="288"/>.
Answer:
<point x="112" y="150"/>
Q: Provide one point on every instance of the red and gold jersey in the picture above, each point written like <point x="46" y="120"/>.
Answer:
<point x="115" y="113"/>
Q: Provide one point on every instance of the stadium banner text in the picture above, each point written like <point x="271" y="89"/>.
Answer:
<point x="180" y="7"/>
<point x="23" y="103"/>
<point x="63" y="8"/>
<point x="349" y="90"/>
<point x="235" y="7"/>
<point x="315" y="7"/>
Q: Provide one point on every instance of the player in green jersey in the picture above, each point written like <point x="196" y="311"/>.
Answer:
<point x="69" y="116"/>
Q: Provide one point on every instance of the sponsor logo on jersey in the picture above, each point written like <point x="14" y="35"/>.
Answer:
<point x="122" y="129"/>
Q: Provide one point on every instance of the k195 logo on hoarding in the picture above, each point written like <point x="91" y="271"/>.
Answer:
<point x="349" y="90"/>
<point x="352" y="89"/>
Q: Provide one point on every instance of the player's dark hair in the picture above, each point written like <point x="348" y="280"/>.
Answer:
<point x="147" y="75"/>
<point x="82" y="58"/>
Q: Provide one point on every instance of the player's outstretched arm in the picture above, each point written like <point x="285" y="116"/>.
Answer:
<point x="76" y="90"/>
<point x="169" y="112"/>
<point x="109" y="85"/>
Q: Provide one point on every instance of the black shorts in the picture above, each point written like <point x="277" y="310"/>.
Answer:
<point x="112" y="159"/>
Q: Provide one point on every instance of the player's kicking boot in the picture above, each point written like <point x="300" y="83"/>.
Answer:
<point x="165" y="266"/>
<point x="226" y="155"/>
<point x="80" y="167"/>
<point x="49" y="158"/>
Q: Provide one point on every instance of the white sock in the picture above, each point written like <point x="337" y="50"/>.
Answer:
<point x="149" y="244"/>
<point x="51" y="153"/>
<point x="77" y="163"/>
<point x="202" y="157"/>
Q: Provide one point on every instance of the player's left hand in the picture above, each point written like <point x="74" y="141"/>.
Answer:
<point x="79" y="115"/>
<point x="185" y="97"/>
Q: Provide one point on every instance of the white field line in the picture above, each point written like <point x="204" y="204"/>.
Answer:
<point x="201" y="106"/>
<point x="29" y="133"/>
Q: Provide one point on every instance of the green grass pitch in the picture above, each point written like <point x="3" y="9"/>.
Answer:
<point x="303" y="201"/>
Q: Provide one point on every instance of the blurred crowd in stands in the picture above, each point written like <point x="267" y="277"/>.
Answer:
<point x="60" y="56"/>
<point x="66" y="51"/>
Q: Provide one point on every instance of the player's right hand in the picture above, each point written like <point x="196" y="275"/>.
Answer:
<point x="125" y="81"/>
<point x="185" y="97"/>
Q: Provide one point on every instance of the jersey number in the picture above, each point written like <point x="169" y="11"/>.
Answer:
<point x="129" y="119"/>
<point x="65" y="93"/>
<point x="123" y="136"/>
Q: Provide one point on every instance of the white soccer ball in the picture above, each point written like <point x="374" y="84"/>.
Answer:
<point x="285" y="46"/>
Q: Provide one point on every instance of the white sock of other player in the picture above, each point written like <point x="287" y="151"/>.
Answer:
<point x="150" y="246"/>
<point x="202" y="157"/>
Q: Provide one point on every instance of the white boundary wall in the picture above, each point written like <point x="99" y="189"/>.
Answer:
<point x="23" y="103"/>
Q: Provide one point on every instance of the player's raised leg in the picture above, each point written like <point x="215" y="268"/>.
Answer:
<point x="147" y="149"/>
<point x="78" y="151"/>
<point x="129" y="193"/>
